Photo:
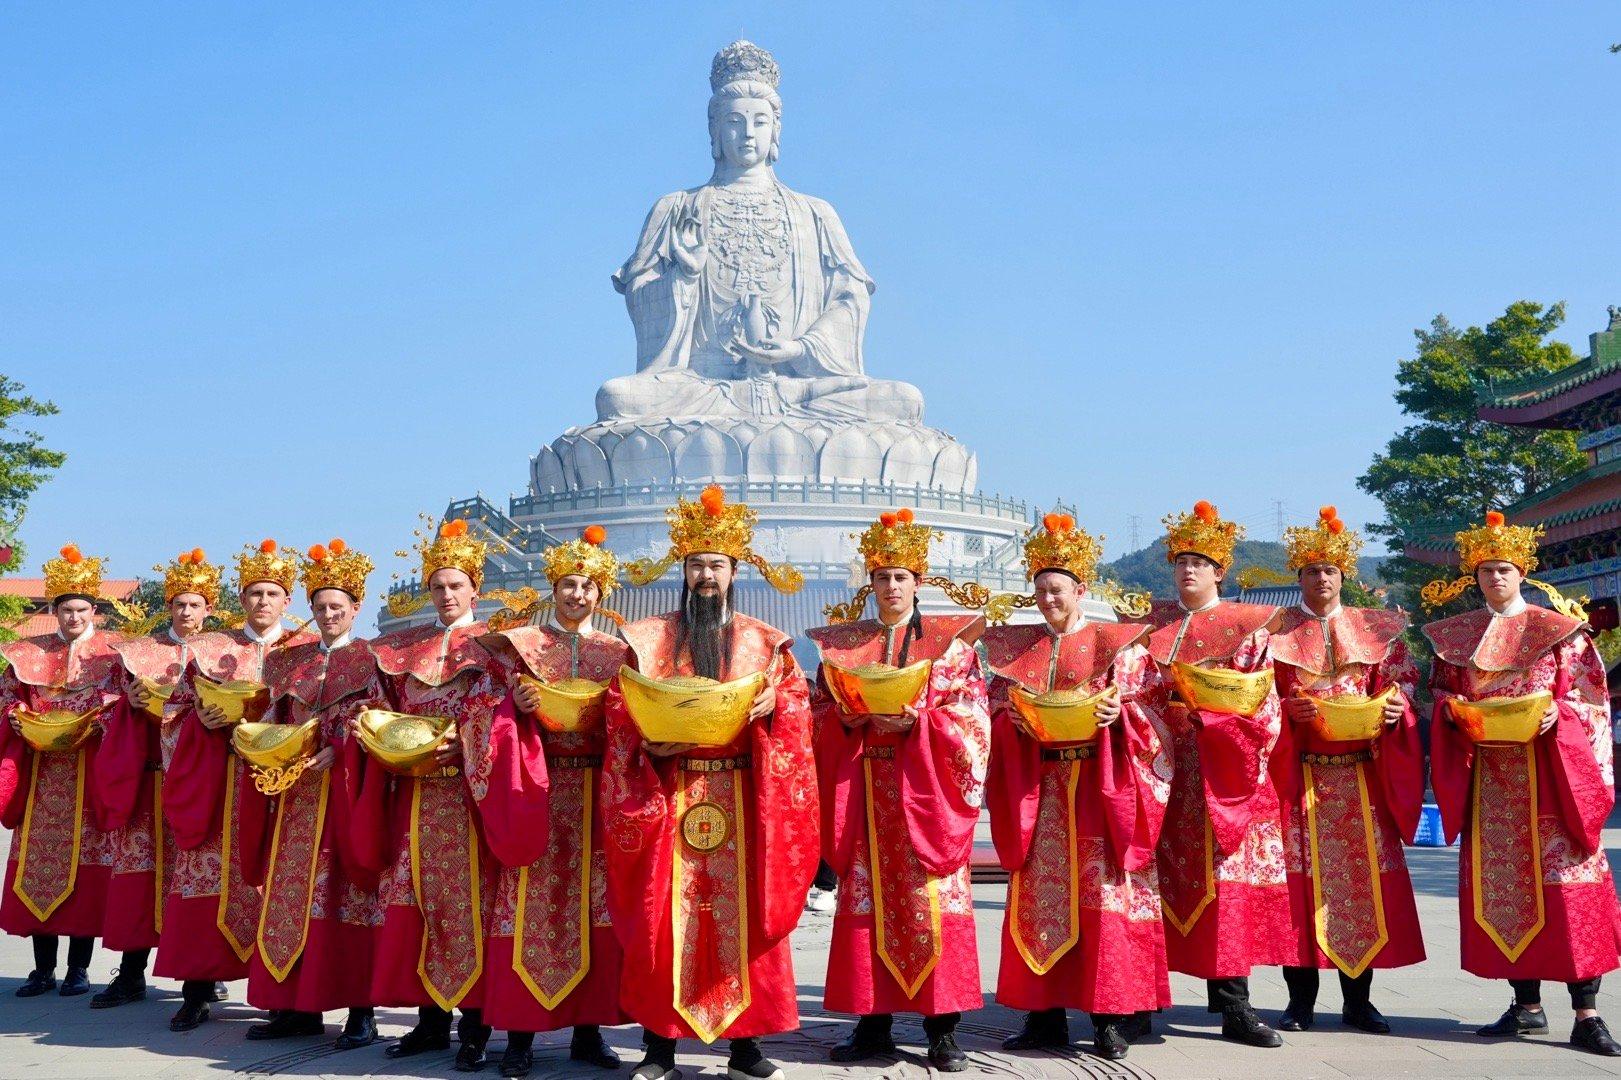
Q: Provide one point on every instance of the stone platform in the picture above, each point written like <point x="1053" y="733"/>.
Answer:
<point x="1433" y="1006"/>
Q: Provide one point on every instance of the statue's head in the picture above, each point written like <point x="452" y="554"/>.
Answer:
<point x="745" y="113"/>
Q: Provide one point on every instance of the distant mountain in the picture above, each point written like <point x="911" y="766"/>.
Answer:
<point x="1147" y="570"/>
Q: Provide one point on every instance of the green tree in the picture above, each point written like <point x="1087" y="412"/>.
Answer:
<point x="25" y="464"/>
<point x="1449" y="466"/>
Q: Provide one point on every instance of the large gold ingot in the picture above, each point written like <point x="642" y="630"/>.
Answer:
<point x="402" y="742"/>
<point x="238" y="699"/>
<point x="689" y="709"/>
<point x="1502" y="721"/>
<point x="1060" y="716"/>
<point x="56" y="729"/>
<point x="1350" y="717"/>
<point x="276" y="754"/>
<point x="157" y="695"/>
<point x="1222" y="690"/>
<point x="877" y="689"/>
<point x="568" y="705"/>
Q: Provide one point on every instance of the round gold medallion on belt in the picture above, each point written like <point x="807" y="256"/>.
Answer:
<point x="704" y="827"/>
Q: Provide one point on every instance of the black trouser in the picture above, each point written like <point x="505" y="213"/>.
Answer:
<point x="825" y="878"/>
<point x="662" y="1050"/>
<point x="197" y="991"/>
<point x="1303" y="983"/>
<point x="519" y="1041"/>
<point x="877" y="1027"/>
<point x="132" y="965"/>
<point x="80" y="950"/>
<point x="471" y="1027"/>
<point x="1583" y="994"/>
<point x="1227" y="993"/>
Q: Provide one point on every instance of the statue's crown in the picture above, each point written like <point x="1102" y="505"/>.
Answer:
<point x="743" y="61"/>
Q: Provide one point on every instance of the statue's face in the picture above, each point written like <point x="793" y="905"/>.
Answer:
<point x="746" y="130"/>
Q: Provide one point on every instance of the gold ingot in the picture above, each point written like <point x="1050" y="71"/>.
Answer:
<point x="689" y="709"/>
<point x="404" y="743"/>
<point x="569" y="705"/>
<point x="1350" y="717"/>
<point x="1060" y="716"/>
<point x="157" y="695"/>
<point x="56" y="729"/>
<point x="1502" y="721"/>
<point x="238" y="699"/>
<point x="275" y="746"/>
<point x="1221" y="690"/>
<point x="877" y="689"/>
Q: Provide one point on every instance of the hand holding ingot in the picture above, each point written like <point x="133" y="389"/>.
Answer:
<point x="1300" y="709"/>
<point x="212" y="716"/>
<point x="322" y="760"/>
<point x="528" y="697"/>
<point x="765" y="703"/>
<point x="1108" y="710"/>
<point x="668" y="749"/>
<point x="1395" y="708"/>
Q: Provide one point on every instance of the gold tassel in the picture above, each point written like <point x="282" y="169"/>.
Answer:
<point x="1571" y="608"/>
<point x="851" y="611"/>
<point x="647" y="571"/>
<point x="1438" y="592"/>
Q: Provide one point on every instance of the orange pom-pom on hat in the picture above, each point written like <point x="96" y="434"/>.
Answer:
<point x="713" y="500"/>
<point x="337" y="546"/>
<point x="1205" y="511"/>
<point x="318" y="552"/>
<point x="72" y="554"/>
<point x="1327" y="513"/>
<point x="1494" y="518"/>
<point x="267" y="547"/>
<point x="1336" y="526"/>
<point x="595" y="535"/>
<point x="1050" y="522"/>
<point x="904" y="515"/>
<point x="1065" y="522"/>
<point x="197" y="556"/>
<point x="887" y="519"/>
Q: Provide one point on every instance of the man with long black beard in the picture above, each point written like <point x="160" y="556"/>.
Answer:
<point x="711" y="848"/>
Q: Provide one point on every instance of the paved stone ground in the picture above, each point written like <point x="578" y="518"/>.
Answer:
<point x="1433" y="1006"/>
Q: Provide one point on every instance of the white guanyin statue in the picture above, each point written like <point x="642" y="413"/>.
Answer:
<point x="747" y="298"/>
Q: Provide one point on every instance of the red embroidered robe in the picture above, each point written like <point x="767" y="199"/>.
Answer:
<point x="61" y="859"/>
<point x="210" y="911"/>
<point x="1223" y="885"/>
<point x="898" y="817"/>
<point x="705" y="933"/>
<point x="135" y="749"/>
<point x="1082" y="928"/>
<point x="553" y="959"/>
<point x="424" y="835"/>
<point x="1349" y="806"/>
<point x="315" y="931"/>
<point x="1535" y="896"/>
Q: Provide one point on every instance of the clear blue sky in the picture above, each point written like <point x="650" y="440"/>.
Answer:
<point x="306" y="269"/>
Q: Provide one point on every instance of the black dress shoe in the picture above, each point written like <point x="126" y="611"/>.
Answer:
<point x="946" y="1056"/>
<point x="1240" y="1024"/>
<point x="1109" y="1042"/>
<point x="1365" y="1017"/>
<point x="38" y="982"/>
<point x="471" y="1056"/>
<point x="75" y="983"/>
<point x="221" y="993"/>
<point x="191" y="1015"/>
<point x="120" y="991"/>
<point x="853" y="1049"/>
<point x="1516" y="1021"/>
<point x="747" y="1063"/>
<point x="1297" y="1017"/>
<point x="288" y="1024"/>
<point x="655" y="1070"/>
<point x="591" y="1051"/>
<point x="1042" y="1031"/>
<point x="420" y="1040"/>
<point x="358" y="1031"/>
<point x="1137" y="1026"/>
<point x="518" y="1062"/>
<point x="1591" y="1035"/>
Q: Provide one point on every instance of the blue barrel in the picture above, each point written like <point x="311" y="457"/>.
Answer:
<point x="1429" y="828"/>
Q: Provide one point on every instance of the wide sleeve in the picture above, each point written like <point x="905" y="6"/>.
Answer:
<point x="1136" y="763"/>
<point x="636" y="812"/>
<point x="1582" y="752"/>
<point x="1452" y="756"/>
<point x="786" y="804"/>
<point x="506" y="773"/>
<point x="194" y="782"/>
<point x="838" y="774"/>
<point x="14" y="754"/>
<point x="1399" y="750"/>
<point x="121" y="764"/>
<point x="942" y="772"/>
<point x="1234" y="752"/>
<point x="1012" y="781"/>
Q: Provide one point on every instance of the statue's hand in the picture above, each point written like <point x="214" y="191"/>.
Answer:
<point x="770" y="353"/>
<point x="689" y="248"/>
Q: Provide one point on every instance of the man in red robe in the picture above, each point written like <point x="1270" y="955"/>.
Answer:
<point x="901" y="789"/>
<point x="437" y="839"/>
<point x="1076" y="822"/>
<point x="320" y="905"/>
<point x="1223" y="885"/>
<point x="1535" y="896"/>
<point x="553" y="958"/>
<point x="711" y="848"/>
<point x="210" y="911"/>
<point x="56" y="876"/>
<point x="138" y="744"/>
<point x="1348" y="804"/>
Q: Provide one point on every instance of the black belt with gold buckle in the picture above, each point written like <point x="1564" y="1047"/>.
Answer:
<point x="1068" y="753"/>
<point x="574" y="761"/>
<point x="1352" y="758"/>
<point x="878" y="753"/>
<point x="716" y="764"/>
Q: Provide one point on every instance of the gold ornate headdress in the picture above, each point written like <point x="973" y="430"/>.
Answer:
<point x="1328" y="541"/>
<point x="586" y="557"/>
<point x="335" y="565"/>
<point x="1061" y="545"/>
<point x="191" y="572"/>
<point x="1498" y="541"/>
<point x="266" y="562"/>
<point x="72" y="573"/>
<point x="1202" y="533"/>
<point x="446" y="545"/>
<point x="713" y="526"/>
<point x="896" y="540"/>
